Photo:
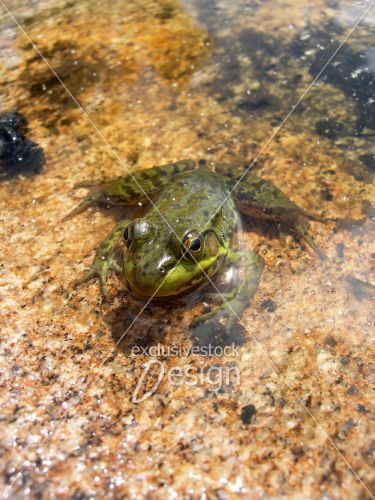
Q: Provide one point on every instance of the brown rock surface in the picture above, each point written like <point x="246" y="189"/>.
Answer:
<point x="156" y="86"/>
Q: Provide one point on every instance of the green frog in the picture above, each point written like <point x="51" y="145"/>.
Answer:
<point x="186" y="236"/>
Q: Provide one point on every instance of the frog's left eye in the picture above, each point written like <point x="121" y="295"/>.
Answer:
<point x="192" y="244"/>
<point x="128" y="235"/>
<point x="195" y="245"/>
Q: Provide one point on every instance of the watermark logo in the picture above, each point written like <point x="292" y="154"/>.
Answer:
<point x="171" y="351"/>
<point x="154" y="371"/>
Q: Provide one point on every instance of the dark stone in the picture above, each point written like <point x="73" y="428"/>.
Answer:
<point x="352" y="390"/>
<point x="362" y="409"/>
<point x="328" y="127"/>
<point x="14" y="121"/>
<point x="330" y="341"/>
<point x="340" y="247"/>
<point x="360" y="289"/>
<point x="254" y="103"/>
<point x="369" y="161"/>
<point x="351" y="73"/>
<point x="247" y="413"/>
<point x="18" y="155"/>
<point x="79" y="495"/>
<point x="326" y="194"/>
<point x="298" y="452"/>
<point x="213" y="333"/>
<point x="345" y="360"/>
<point x="268" y="305"/>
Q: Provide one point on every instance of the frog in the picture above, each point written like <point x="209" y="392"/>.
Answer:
<point x="185" y="237"/>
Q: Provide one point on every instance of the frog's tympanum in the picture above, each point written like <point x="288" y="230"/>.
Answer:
<point x="186" y="236"/>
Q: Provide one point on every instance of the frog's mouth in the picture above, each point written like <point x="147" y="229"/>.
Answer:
<point x="164" y="297"/>
<point x="168" y="287"/>
<point x="178" y="280"/>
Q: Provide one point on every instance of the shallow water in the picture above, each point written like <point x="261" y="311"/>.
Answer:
<point x="128" y="85"/>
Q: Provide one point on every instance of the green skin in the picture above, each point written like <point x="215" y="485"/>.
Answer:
<point x="189" y="198"/>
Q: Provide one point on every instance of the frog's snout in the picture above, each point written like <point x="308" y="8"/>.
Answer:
<point x="165" y="264"/>
<point x="149" y="277"/>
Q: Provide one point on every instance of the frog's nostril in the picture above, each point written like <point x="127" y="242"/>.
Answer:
<point x="165" y="264"/>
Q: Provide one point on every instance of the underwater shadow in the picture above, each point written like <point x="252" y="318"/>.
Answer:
<point x="134" y="325"/>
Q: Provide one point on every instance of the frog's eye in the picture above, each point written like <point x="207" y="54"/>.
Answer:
<point x="192" y="244"/>
<point x="195" y="245"/>
<point x="127" y="235"/>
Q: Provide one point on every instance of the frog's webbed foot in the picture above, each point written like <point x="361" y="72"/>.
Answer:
<point x="301" y="229"/>
<point x="99" y="269"/>
<point x="224" y="312"/>
<point x="220" y="302"/>
<point x="316" y="218"/>
<point x="106" y="258"/>
<point x="233" y="302"/>
<point x="95" y="272"/>
<point x="85" y="203"/>
<point x="219" y="297"/>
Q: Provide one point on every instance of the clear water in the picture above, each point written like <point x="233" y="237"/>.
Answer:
<point x="111" y="86"/>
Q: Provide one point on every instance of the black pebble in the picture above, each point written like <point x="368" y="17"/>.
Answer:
<point x="326" y="194"/>
<point x="362" y="409"/>
<point x="212" y="332"/>
<point x="369" y="161"/>
<point x="340" y="247"/>
<point x="18" y="155"/>
<point x="328" y="127"/>
<point x="252" y="105"/>
<point x="268" y="305"/>
<point x="247" y="413"/>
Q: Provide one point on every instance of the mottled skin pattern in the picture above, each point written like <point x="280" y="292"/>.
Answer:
<point x="185" y="237"/>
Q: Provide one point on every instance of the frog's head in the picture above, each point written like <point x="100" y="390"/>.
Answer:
<point x="160" y="262"/>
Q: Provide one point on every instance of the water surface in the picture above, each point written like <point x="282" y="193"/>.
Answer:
<point x="146" y="83"/>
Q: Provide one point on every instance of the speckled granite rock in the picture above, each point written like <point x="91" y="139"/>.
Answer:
<point x="157" y="87"/>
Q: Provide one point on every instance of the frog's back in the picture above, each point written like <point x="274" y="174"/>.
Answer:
<point x="200" y="197"/>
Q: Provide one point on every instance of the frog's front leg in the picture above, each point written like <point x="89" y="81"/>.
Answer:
<point x="141" y="186"/>
<point x="106" y="257"/>
<point x="235" y="301"/>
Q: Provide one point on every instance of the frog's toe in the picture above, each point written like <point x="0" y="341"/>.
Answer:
<point x="219" y="298"/>
<point x="94" y="272"/>
<point x="222" y="312"/>
<point x="87" y="202"/>
<point x="201" y="319"/>
<point x="114" y="266"/>
<point x="301" y="229"/>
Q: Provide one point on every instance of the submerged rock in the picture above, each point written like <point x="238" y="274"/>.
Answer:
<point x="18" y="155"/>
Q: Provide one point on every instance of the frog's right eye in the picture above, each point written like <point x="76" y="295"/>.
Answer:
<point x="128" y="235"/>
